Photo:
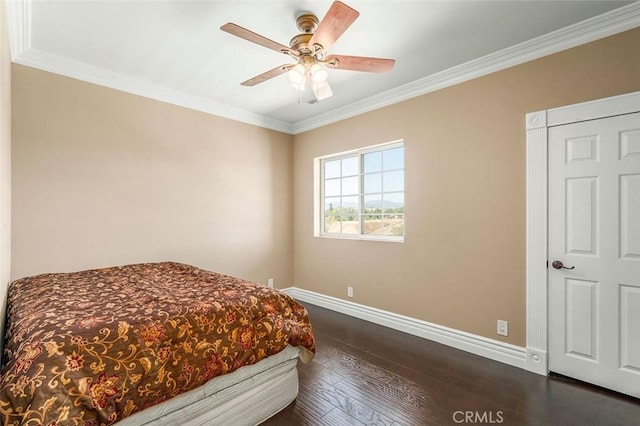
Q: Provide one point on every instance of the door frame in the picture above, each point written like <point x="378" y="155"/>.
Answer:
<point x="537" y="125"/>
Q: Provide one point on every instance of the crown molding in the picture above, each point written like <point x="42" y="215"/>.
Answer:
<point x="607" y="24"/>
<point x="610" y="23"/>
<point x="60" y="65"/>
<point x="19" y="26"/>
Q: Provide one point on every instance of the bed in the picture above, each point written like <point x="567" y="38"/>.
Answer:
<point x="154" y="343"/>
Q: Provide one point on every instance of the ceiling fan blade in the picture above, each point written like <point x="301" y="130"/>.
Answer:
<point x="333" y="25"/>
<point x="246" y="34"/>
<point x="267" y="75"/>
<point x="359" y="63"/>
<point x="322" y="90"/>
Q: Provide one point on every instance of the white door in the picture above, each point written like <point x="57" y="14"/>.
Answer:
<point x="594" y="230"/>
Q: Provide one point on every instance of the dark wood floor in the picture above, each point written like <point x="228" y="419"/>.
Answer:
<point x="367" y="374"/>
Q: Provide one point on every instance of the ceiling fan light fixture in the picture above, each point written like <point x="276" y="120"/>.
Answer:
<point x="297" y="74"/>
<point x="318" y="73"/>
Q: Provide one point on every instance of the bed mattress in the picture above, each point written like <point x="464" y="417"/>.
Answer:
<point x="247" y="396"/>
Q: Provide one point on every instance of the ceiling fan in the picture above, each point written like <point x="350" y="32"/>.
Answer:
<point x="309" y="50"/>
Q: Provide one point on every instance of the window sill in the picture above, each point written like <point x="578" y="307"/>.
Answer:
<point x="361" y="238"/>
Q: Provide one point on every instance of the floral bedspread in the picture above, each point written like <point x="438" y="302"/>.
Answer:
<point x="92" y="347"/>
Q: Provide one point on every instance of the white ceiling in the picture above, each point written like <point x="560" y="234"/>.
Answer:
<point x="173" y="50"/>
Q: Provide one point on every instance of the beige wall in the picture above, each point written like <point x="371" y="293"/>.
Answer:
<point x="462" y="264"/>
<point x="102" y="177"/>
<point x="5" y="166"/>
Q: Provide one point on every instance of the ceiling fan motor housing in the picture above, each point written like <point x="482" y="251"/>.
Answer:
<point x="307" y="23"/>
<point x="300" y="43"/>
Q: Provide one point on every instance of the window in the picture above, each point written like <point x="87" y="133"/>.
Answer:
<point x="362" y="193"/>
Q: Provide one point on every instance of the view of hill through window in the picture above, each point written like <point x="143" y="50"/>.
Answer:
<point x="363" y="193"/>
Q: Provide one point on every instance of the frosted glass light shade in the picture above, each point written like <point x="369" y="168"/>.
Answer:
<point x="296" y="74"/>
<point x="318" y="73"/>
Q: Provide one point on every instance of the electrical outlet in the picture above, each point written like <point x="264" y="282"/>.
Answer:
<point x="503" y="327"/>
<point x="349" y="291"/>
<point x="270" y="283"/>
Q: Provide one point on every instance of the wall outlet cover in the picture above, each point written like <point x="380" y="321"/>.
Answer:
<point x="503" y="328"/>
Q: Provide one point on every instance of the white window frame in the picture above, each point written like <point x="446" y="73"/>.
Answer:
<point x="319" y="182"/>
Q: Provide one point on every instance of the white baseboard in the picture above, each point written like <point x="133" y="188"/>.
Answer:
<point x="483" y="346"/>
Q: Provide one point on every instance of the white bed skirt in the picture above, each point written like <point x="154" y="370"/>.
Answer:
<point x="248" y="396"/>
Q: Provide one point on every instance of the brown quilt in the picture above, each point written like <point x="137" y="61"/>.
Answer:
<point x="92" y="347"/>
